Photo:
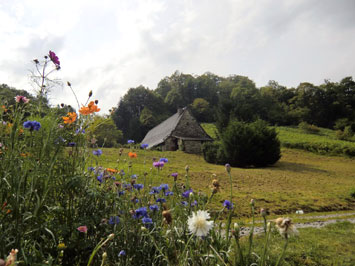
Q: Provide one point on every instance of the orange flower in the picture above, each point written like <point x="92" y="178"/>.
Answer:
<point x="91" y="108"/>
<point x="70" y="118"/>
<point x="132" y="155"/>
<point x="111" y="170"/>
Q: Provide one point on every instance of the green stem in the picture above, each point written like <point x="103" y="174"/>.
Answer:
<point x="265" y="246"/>
<point x="251" y="232"/>
<point x="283" y="252"/>
<point x="236" y="236"/>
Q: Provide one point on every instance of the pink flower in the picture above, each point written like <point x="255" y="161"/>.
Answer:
<point x="54" y="58"/>
<point x="20" y="98"/>
<point x="83" y="229"/>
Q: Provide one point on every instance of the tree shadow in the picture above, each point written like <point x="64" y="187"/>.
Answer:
<point x="297" y="167"/>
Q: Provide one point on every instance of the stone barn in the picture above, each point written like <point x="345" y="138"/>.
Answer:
<point x="179" y="132"/>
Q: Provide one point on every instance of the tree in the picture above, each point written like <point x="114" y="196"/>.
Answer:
<point x="105" y="132"/>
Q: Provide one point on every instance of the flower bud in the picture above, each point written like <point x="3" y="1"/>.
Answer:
<point x="167" y="216"/>
<point x="111" y="236"/>
<point x="68" y="83"/>
<point x="228" y="167"/>
<point x="144" y="229"/>
<point x="96" y="101"/>
<point x="187" y="168"/>
<point x="263" y="212"/>
<point x="104" y="256"/>
<point x="252" y="202"/>
<point x="90" y="93"/>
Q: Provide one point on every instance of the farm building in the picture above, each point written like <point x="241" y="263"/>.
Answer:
<point x="179" y="132"/>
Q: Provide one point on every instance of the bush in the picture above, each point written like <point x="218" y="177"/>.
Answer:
<point x="245" y="145"/>
<point x="308" y="128"/>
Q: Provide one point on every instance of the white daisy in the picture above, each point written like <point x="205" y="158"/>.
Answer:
<point x="198" y="224"/>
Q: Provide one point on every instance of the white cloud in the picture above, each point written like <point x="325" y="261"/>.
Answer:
<point x="109" y="46"/>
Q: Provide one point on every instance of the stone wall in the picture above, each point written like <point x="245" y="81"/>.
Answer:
<point x="188" y="127"/>
<point x="170" y="144"/>
<point x="193" y="146"/>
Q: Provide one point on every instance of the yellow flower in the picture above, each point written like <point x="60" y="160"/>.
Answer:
<point x="62" y="246"/>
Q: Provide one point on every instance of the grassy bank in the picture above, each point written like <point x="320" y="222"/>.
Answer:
<point x="300" y="180"/>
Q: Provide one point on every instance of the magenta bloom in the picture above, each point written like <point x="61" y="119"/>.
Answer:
<point x="83" y="229"/>
<point x="54" y="58"/>
<point x="21" y="99"/>
<point x="158" y="164"/>
<point x="175" y="175"/>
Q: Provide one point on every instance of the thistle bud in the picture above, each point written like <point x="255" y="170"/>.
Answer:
<point x="62" y="105"/>
<point x="263" y="212"/>
<point x="111" y="236"/>
<point x="96" y="101"/>
<point x="68" y="83"/>
<point x="167" y="216"/>
<point x="228" y="167"/>
<point x="90" y="93"/>
<point x="252" y="202"/>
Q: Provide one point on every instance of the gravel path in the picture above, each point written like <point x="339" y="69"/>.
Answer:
<point x="315" y="224"/>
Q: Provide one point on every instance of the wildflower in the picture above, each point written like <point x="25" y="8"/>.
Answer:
<point x="91" y="108"/>
<point x="165" y="160"/>
<point x="21" y="99"/>
<point x="132" y="155"/>
<point x="140" y="212"/>
<point x="91" y="169"/>
<point x="138" y="186"/>
<point x="144" y="146"/>
<point x="228" y="167"/>
<point x="161" y="200"/>
<point x="100" y="178"/>
<point x="198" y="223"/>
<point x="164" y="187"/>
<point x="194" y="203"/>
<point x="158" y="165"/>
<point x="155" y="190"/>
<point x="120" y="193"/>
<point x="133" y="176"/>
<point x="169" y="193"/>
<point x="82" y="229"/>
<point x="122" y="173"/>
<point x="70" y="118"/>
<point x="147" y="221"/>
<point x="167" y="216"/>
<point x="228" y="204"/>
<point x="61" y="246"/>
<point x="186" y="194"/>
<point x="130" y="141"/>
<point x="114" y="220"/>
<point x="80" y="130"/>
<point x="97" y="152"/>
<point x="71" y="144"/>
<point x="285" y="227"/>
<point x="154" y="207"/>
<point x="111" y="170"/>
<point x="54" y="58"/>
<point x="11" y="259"/>
<point x="32" y="125"/>
<point x="122" y="253"/>
<point x="263" y="212"/>
<point x="184" y="203"/>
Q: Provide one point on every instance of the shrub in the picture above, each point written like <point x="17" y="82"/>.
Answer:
<point x="209" y="150"/>
<point x="308" y="128"/>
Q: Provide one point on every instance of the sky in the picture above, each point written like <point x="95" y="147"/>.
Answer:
<point x="109" y="46"/>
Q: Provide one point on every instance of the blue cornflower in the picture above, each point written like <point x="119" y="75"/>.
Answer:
<point x="194" y="203"/>
<point x="130" y="141"/>
<point x="165" y="160"/>
<point x="164" y="187"/>
<point x="155" y="190"/>
<point x="147" y="221"/>
<point x="120" y="193"/>
<point x="122" y="253"/>
<point x="91" y="169"/>
<point x="140" y="212"/>
<point x="122" y="173"/>
<point x="228" y="204"/>
<point x="133" y="176"/>
<point x="186" y="194"/>
<point x="80" y="130"/>
<point x="138" y="186"/>
<point x="32" y="125"/>
<point x="154" y="207"/>
<point x="169" y="193"/>
<point x="71" y="144"/>
<point x="114" y="220"/>
<point x="99" y="178"/>
<point x="184" y="203"/>
<point x="144" y="146"/>
<point x="161" y="200"/>
<point x="127" y="186"/>
<point x="97" y="152"/>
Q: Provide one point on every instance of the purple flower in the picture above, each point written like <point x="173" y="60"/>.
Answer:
<point x="140" y="212"/>
<point x="165" y="160"/>
<point x="54" y="58"/>
<point x="80" y="130"/>
<point x="175" y="175"/>
<point x="71" y="144"/>
<point x="161" y="200"/>
<point x="164" y="187"/>
<point x="186" y="194"/>
<point x="228" y="204"/>
<point x="147" y="221"/>
<point x="158" y="164"/>
<point x="154" y="207"/>
<point x="122" y="173"/>
<point x="133" y="176"/>
<point x="184" y="203"/>
<point x="194" y="203"/>
<point x="121" y="193"/>
<point x="169" y="193"/>
<point x="138" y="186"/>
<point x="122" y="253"/>
<point x="91" y="169"/>
<point x="99" y="178"/>
<point x="155" y="190"/>
<point x="144" y="146"/>
<point x="97" y="152"/>
<point x="114" y="220"/>
<point x="32" y="125"/>
<point x="130" y="141"/>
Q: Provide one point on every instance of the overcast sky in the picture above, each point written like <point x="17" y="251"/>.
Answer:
<point x="109" y="46"/>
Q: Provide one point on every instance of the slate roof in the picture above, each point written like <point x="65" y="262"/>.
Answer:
<point x="161" y="132"/>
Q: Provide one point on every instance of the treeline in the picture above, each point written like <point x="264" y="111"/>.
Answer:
<point x="218" y="99"/>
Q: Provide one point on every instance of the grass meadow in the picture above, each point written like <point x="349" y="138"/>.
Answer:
<point x="300" y="180"/>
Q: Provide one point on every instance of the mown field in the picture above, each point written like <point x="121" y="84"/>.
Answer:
<point x="300" y="180"/>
